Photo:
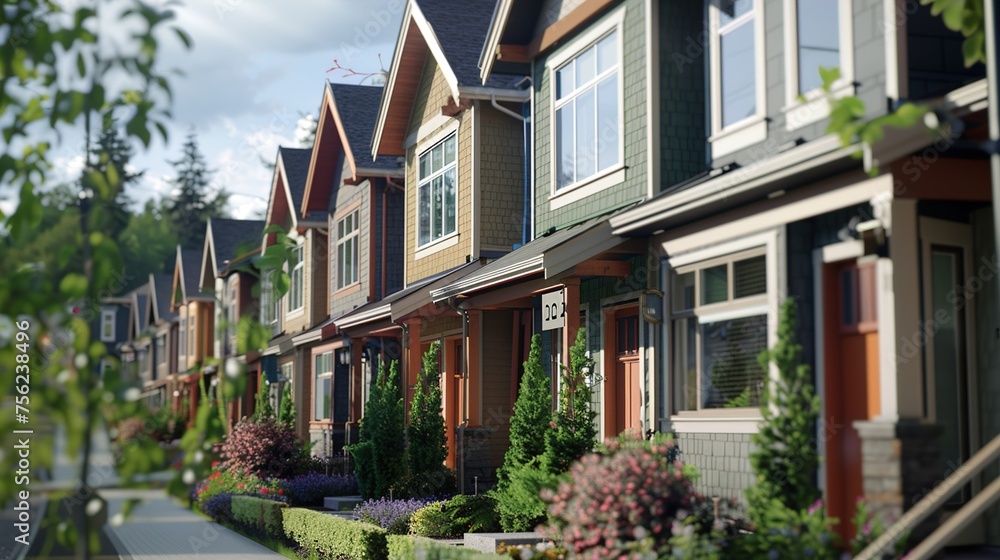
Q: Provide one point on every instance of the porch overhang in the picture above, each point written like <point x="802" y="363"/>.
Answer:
<point x="323" y="331"/>
<point x="280" y="345"/>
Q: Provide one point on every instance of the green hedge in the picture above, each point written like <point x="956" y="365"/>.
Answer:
<point x="406" y="547"/>
<point x="333" y="537"/>
<point x="259" y="514"/>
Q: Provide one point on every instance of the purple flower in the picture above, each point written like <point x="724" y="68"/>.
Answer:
<point x="391" y="515"/>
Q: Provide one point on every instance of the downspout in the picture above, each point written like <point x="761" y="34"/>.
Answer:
<point x="460" y="437"/>
<point x="524" y="117"/>
<point x="991" y="20"/>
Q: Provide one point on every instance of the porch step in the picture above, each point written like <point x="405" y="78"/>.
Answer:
<point x="488" y="542"/>
<point x="971" y="553"/>
<point x="342" y="503"/>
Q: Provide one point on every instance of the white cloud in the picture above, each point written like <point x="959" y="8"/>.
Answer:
<point x="244" y="207"/>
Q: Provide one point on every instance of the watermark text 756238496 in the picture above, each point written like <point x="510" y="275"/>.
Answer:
<point x="22" y="437"/>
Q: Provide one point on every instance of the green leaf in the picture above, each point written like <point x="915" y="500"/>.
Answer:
<point x="829" y="76"/>
<point x="81" y="65"/>
<point x="282" y="283"/>
<point x="973" y="49"/>
<point x="184" y="37"/>
<point x="136" y="126"/>
<point x="73" y="286"/>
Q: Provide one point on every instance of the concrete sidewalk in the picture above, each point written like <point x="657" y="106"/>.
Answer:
<point x="158" y="528"/>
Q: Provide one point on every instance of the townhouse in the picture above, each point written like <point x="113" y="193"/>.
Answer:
<point x="362" y="199"/>
<point x="195" y="328"/>
<point x="163" y="328"/>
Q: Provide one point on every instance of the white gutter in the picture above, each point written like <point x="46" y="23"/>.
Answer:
<point x="361" y="318"/>
<point x="487" y="93"/>
<point x="505" y="274"/>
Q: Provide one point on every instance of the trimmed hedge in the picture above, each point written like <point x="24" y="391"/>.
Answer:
<point x="334" y="537"/>
<point x="259" y="514"/>
<point x="406" y="547"/>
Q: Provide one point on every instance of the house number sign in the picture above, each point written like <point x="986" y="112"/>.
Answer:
<point x="553" y="310"/>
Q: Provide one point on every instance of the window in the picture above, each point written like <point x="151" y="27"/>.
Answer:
<point x="108" y="325"/>
<point x="586" y="94"/>
<point x="297" y="264"/>
<point x="322" y="387"/>
<point x="182" y="336"/>
<point x="719" y="314"/>
<point x="737" y="75"/>
<point x="817" y="29"/>
<point x="437" y="191"/>
<point x="161" y="349"/>
<point x="232" y="313"/>
<point x="347" y="250"/>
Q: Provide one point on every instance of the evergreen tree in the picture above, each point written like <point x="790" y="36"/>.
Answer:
<point x="286" y="410"/>
<point x="262" y="409"/>
<point x="380" y="454"/>
<point x="427" y="438"/>
<point x="193" y="204"/>
<point x="532" y="413"/>
<point x="574" y="432"/>
<point x="786" y="459"/>
<point x="112" y="153"/>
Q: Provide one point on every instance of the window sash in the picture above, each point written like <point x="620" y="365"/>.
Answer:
<point x="295" y="299"/>
<point x="322" y="387"/>
<point x="107" y="326"/>
<point x="437" y="201"/>
<point x="347" y="250"/>
<point x="809" y="60"/>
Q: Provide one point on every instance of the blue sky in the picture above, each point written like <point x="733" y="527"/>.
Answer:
<point x="255" y="68"/>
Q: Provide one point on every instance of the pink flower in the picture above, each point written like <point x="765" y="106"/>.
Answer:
<point x="815" y="507"/>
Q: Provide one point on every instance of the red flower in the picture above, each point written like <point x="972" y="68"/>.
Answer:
<point x="281" y="492"/>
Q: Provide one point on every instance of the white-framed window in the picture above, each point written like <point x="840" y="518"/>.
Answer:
<point x="737" y="64"/>
<point x="437" y="191"/>
<point x="161" y="350"/>
<point x="819" y="35"/>
<point x="232" y="297"/>
<point x="323" y="386"/>
<point x="297" y="265"/>
<point x="586" y="93"/>
<point x="182" y="339"/>
<point x="347" y="249"/>
<point x="107" y="325"/>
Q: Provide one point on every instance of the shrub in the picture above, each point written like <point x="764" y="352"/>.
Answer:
<point x="457" y="516"/>
<point x="333" y="537"/>
<point x="519" y="503"/>
<point x="405" y="547"/>
<point x="262" y="408"/>
<point x="391" y="515"/>
<point x="427" y="440"/>
<point x="434" y="483"/>
<point x="540" y="551"/>
<point x="265" y="449"/>
<point x="219" y="507"/>
<point x="788" y="533"/>
<point x="363" y="455"/>
<point x="286" y="410"/>
<point x="310" y="489"/>
<point x="380" y="454"/>
<point x="532" y="410"/>
<point x="870" y="526"/>
<point x="261" y="515"/>
<point x="225" y="482"/>
<point x="573" y="433"/>
<point x="620" y="504"/>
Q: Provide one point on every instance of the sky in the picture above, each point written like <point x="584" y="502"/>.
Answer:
<point x="255" y="68"/>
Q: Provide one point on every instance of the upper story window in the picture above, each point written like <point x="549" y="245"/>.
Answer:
<point x="108" y="325"/>
<point x="161" y="350"/>
<point x="720" y="311"/>
<point x="817" y="29"/>
<point x="296" y="264"/>
<point x="737" y="73"/>
<point x="232" y="313"/>
<point x="347" y="250"/>
<point x="182" y="335"/>
<point x="587" y="112"/>
<point x="437" y="191"/>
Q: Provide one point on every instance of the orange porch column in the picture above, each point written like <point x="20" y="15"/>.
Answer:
<point x="357" y="381"/>
<point x="473" y="353"/>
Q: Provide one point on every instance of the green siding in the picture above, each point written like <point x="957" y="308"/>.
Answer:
<point x="634" y="187"/>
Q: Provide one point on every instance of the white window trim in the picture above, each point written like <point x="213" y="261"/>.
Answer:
<point x="753" y="129"/>
<point x="614" y="174"/>
<point x="300" y="264"/>
<point x="316" y="377"/>
<point x="743" y="420"/>
<point x="355" y="234"/>
<point x="435" y="246"/>
<point x="425" y="147"/>
<point x="815" y="107"/>
<point x="108" y="318"/>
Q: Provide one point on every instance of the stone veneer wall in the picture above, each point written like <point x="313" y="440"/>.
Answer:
<point x="724" y="462"/>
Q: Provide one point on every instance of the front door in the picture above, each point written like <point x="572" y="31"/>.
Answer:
<point x="624" y="402"/>
<point x="949" y="325"/>
<point x="851" y="380"/>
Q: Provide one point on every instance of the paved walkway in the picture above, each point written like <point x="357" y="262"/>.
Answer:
<point x="160" y="529"/>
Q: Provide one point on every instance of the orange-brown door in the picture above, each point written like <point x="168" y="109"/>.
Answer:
<point x="623" y="407"/>
<point x="851" y="381"/>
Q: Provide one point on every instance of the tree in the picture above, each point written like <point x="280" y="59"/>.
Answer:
<point x="112" y="153"/>
<point x="148" y="244"/>
<point x="193" y="204"/>
<point x="427" y="439"/>
<point x="380" y="454"/>
<point x="262" y="409"/>
<point x="786" y="459"/>
<point x="573" y="434"/>
<point x="286" y="410"/>
<point x="532" y="411"/>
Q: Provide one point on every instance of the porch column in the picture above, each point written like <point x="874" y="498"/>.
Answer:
<point x="571" y="297"/>
<point x="473" y="359"/>
<point x="904" y="327"/>
<point x="411" y="367"/>
<point x="357" y="381"/>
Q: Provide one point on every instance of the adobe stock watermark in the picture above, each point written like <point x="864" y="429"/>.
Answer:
<point x="379" y="21"/>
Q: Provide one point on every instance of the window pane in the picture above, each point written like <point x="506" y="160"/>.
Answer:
<point x="586" y="141"/>
<point x="607" y="122"/>
<point x="322" y="406"/>
<point x="714" y="282"/>
<point x="349" y="262"/>
<point x="731" y="374"/>
<point x="424" y="233"/>
<point x="683" y="292"/>
<point x="436" y="154"/>
<point x="564" y="146"/>
<point x="425" y="165"/>
<point x="565" y="83"/>
<point x="732" y="9"/>
<point x="449" y="150"/>
<point x="739" y="98"/>
<point x="436" y="208"/>
<point x="450" y="201"/>
<point x="586" y="66"/>
<point x="750" y="277"/>
<point x="607" y="52"/>
<point x="819" y="40"/>
<point x="685" y="374"/>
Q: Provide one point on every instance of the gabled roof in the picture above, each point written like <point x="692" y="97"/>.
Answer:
<point x="453" y="34"/>
<point x="225" y="241"/>
<point x="139" y="310"/>
<point x="185" y="286"/>
<point x="347" y="119"/>
<point x="159" y="287"/>
<point x="288" y="190"/>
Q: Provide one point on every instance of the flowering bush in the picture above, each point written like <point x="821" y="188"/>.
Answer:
<point x="225" y="482"/>
<point x="540" y="551"/>
<point x="787" y="533"/>
<point x="263" y="448"/>
<point x="310" y="489"/>
<point x="870" y="527"/>
<point x="622" y="503"/>
<point x="391" y="515"/>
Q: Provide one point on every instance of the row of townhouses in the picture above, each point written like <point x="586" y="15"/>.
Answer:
<point x="658" y="173"/>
